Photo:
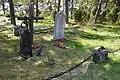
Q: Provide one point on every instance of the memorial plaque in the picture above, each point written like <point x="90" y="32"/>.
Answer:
<point x="60" y="21"/>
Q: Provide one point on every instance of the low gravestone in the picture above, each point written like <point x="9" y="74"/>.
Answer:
<point x="60" y="21"/>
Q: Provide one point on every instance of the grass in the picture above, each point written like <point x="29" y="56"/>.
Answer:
<point x="79" y="46"/>
<point x="104" y="71"/>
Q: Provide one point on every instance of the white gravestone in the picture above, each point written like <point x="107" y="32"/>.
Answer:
<point x="60" y="21"/>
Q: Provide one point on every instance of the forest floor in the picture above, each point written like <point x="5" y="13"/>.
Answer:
<point x="80" y="45"/>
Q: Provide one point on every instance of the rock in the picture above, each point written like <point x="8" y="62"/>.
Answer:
<point x="40" y="51"/>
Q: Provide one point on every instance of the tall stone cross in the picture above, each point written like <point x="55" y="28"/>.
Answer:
<point x="29" y="25"/>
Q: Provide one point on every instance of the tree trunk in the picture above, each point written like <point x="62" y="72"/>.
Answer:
<point x="31" y="11"/>
<point x="66" y="11"/>
<point x="37" y="11"/>
<point x="12" y="13"/>
<point x="59" y="1"/>
<point x="103" y="12"/>
<point x="3" y="6"/>
<point x="98" y="11"/>
<point x="55" y="5"/>
<point x="118" y="2"/>
<point x="72" y="9"/>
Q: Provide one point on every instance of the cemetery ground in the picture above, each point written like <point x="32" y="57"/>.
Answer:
<point x="80" y="45"/>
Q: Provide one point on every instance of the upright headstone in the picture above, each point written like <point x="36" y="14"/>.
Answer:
<point x="60" y="21"/>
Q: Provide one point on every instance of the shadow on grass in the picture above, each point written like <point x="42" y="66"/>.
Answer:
<point x="83" y="34"/>
<point x="63" y="58"/>
<point x="115" y="30"/>
<point x="9" y="47"/>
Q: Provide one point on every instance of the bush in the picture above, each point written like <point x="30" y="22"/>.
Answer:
<point x="81" y="15"/>
<point x="113" y="14"/>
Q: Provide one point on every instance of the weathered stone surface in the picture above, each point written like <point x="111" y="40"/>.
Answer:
<point x="59" y="26"/>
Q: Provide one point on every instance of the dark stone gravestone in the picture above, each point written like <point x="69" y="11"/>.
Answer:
<point x="60" y="21"/>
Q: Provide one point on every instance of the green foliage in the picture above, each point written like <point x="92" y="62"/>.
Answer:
<point x="54" y="14"/>
<point x="7" y="13"/>
<point x="94" y="11"/>
<point x="113" y="14"/>
<point x="45" y="13"/>
<point x="81" y="15"/>
<point x="20" y="13"/>
<point x="21" y="1"/>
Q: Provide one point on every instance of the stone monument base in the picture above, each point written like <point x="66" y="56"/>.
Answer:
<point x="61" y="40"/>
<point x="59" y="44"/>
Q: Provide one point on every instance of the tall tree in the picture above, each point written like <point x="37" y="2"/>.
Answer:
<point x="117" y="2"/>
<point x="98" y="11"/>
<point x="37" y="11"/>
<point x="12" y="13"/>
<point x="59" y="2"/>
<point x="66" y="11"/>
<point x="3" y="5"/>
<point x="55" y="4"/>
<point x="103" y="10"/>
<point x="72" y="5"/>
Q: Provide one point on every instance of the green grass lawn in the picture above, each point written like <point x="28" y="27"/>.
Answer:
<point x="80" y="43"/>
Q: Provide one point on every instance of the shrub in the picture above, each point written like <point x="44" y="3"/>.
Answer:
<point x="81" y="15"/>
<point x="113" y="14"/>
